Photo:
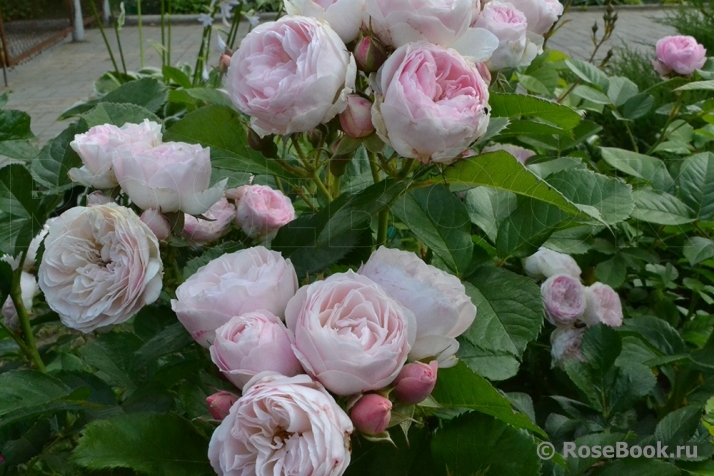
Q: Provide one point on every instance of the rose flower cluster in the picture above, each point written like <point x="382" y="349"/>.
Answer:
<point x="373" y="336"/>
<point x="569" y="305"/>
<point x="417" y="72"/>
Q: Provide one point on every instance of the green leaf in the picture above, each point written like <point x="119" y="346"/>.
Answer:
<point x="660" y="208"/>
<point x="441" y="221"/>
<point x="590" y="94"/>
<point x="637" y="106"/>
<point x="112" y="354"/>
<point x="151" y="444"/>
<point x="478" y="444"/>
<point x="487" y="363"/>
<point x="210" y="96"/>
<point x="487" y="207"/>
<point x="513" y="106"/>
<point x="14" y="125"/>
<point x="698" y="86"/>
<point x="50" y="168"/>
<point x="118" y="115"/>
<point x="588" y="73"/>
<point x="407" y="457"/>
<point x="678" y="427"/>
<point x="21" y="215"/>
<point x="459" y="387"/>
<point x="621" y="90"/>
<point x="639" y="467"/>
<point x="510" y="312"/>
<point x="223" y="130"/>
<point x="177" y="76"/>
<point x="580" y="465"/>
<point x="28" y="388"/>
<point x="502" y="171"/>
<point x="601" y="345"/>
<point x="698" y="249"/>
<point x="148" y="93"/>
<point x="172" y="339"/>
<point x="612" y="272"/>
<point x="641" y="166"/>
<point x="527" y="228"/>
<point x="626" y="385"/>
<point x="696" y="182"/>
<point x="657" y="333"/>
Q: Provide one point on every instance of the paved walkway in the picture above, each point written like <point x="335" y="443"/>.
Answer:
<point x="63" y="75"/>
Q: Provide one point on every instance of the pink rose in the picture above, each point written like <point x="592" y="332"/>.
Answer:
<point x="566" y="345"/>
<point x="219" y="404"/>
<point x="344" y="16"/>
<point x="522" y="155"/>
<point x="252" y="343"/>
<point x="172" y="177"/>
<point x="291" y="75"/>
<point x="261" y="211"/>
<point x="416" y="381"/>
<point x="563" y="298"/>
<point x="508" y="24"/>
<point x="371" y="414"/>
<point x="221" y="214"/>
<point x="438" y="300"/>
<point x="540" y="14"/>
<point x="100" y="267"/>
<point x="157" y="223"/>
<point x="231" y="285"/>
<point x="97" y="146"/>
<point x="349" y="334"/>
<point x="282" y="425"/>
<point x="398" y="22"/>
<point x="356" y="120"/>
<point x="602" y="304"/>
<point x="678" y="54"/>
<point x="545" y="263"/>
<point x="431" y="104"/>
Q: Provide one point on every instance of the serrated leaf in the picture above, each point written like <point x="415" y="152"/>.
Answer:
<point x="528" y="227"/>
<point x="696" y="182"/>
<point x="28" y="388"/>
<point x="14" y="125"/>
<point x="707" y="85"/>
<point x="620" y="90"/>
<point x="588" y="73"/>
<point x="658" y="333"/>
<point x="112" y="354"/>
<point x="172" y="339"/>
<point x="513" y="106"/>
<point x="660" y="208"/>
<point x="698" y="249"/>
<point x="118" y="115"/>
<point x="51" y="166"/>
<point x="641" y="166"/>
<point x="148" y="93"/>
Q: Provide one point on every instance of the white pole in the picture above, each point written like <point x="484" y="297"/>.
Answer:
<point x="107" y="12"/>
<point x="78" y="33"/>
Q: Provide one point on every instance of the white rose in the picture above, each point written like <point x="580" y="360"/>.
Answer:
<point x="282" y="426"/>
<point x="438" y="300"/>
<point x="29" y="289"/>
<point x="540" y="14"/>
<point x="100" y="267"/>
<point x="546" y="263"/>
<point x="344" y="16"/>
<point x="602" y="304"/>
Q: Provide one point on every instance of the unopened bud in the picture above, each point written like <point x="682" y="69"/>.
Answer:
<point x="157" y="223"/>
<point x="356" y="119"/>
<point x="370" y="54"/>
<point x="219" y="404"/>
<point x="371" y="414"/>
<point x="265" y="145"/>
<point x="314" y="137"/>
<point x="416" y="381"/>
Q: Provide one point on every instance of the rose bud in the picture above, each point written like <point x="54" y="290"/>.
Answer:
<point x="370" y="54"/>
<point x="219" y="404"/>
<point x="563" y="298"/>
<point x="416" y="381"/>
<point x="545" y="263"/>
<point x="157" y="223"/>
<point x="356" y="120"/>
<point x="371" y="414"/>
<point x="260" y="210"/>
<point x="225" y="61"/>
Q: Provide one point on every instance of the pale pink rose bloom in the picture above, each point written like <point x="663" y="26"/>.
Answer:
<point x="545" y="263"/>
<point x="679" y="54"/>
<point x="291" y="75"/>
<point x="28" y="291"/>
<point x="508" y="24"/>
<point x="602" y="304"/>
<point x="219" y="404"/>
<point x="260" y="210"/>
<point x="398" y="22"/>
<point x="430" y="103"/>
<point x="566" y="345"/>
<point x="96" y="147"/>
<point x="282" y="425"/>
<point x="540" y="14"/>
<point x="371" y="414"/>
<point x="98" y="198"/>
<point x="172" y="177"/>
<point x="521" y="154"/>
<point x="231" y="285"/>
<point x="100" y="267"/>
<point x="416" y="381"/>
<point x="356" y="120"/>
<point x="252" y="343"/>
<point x="563" y="298"/>
<point x="221" y="215"/>
<point x="157" y="223"/>
<point x="344" y="16"/>
<point x="438" y="300"/>
<point x="349" y="334"/>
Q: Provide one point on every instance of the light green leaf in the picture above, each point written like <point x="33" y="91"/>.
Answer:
<point x="590" y="94"/>
<point x="588" y="73"/>
<point x="698" y="86"/>
<point x="621" y="89"/>
<point x="660" y="208"/>
<point x="487" y="207"/>
<point x="641" y="166"/>
<point x="148" y="93"/>
<point x="611" y="272"/>
<point x="698" y="249"/>
<point x="514" y="106"/>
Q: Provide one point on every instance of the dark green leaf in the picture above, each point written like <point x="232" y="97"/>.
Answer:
<point x="601" y="345"/>
<point x="14" y="125"/>
<point x="660" y="208"/>
<point x="29" y="388"/>
<point x="111" y="354"/>
<point x="696" y="181"/>
<point x="698" y="249"/>
<point x="50" y="168"/>
<point x="172" y="339"/>
<point x="658" y="333"/>
<point x="118" y="115"/>
<point x="626" y="385"/>
<point x="528" y="227"/>
<point x="612" y="272"/>
<point x="148" y="93"/>
<point x="487" y="207"/>
<point x="513" y="106"/>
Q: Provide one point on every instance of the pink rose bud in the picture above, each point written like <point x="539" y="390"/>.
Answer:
<point x="261" y="211"/>
<point x="371" y="414"/>
<point x="225" y="61"/>
<point x="370" y="54"/>
<point x="563" y="299"/>
<point x="219" y="404"/>
<point x="157" y="223"/>
<point x="356" y="120"/>
<point x="416" y="381"/>
<point x="679" y="54"/>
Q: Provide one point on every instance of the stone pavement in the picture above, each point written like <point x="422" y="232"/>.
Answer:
<point x="59" y="77"/>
